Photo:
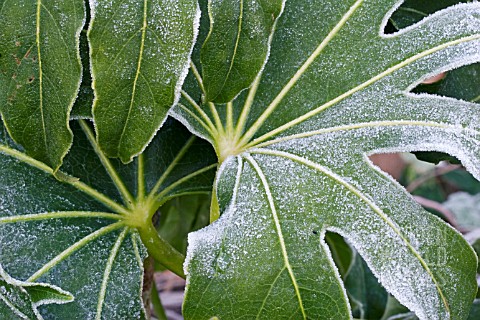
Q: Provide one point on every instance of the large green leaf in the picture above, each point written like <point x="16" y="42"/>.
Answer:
<point x="79" y="233"/>
<point x="140" y="52"/>
<point x="334" y="90"/>
<point x="19" y="299"/>
<point x="237" y="46"/>
<point x="40" y="73"/>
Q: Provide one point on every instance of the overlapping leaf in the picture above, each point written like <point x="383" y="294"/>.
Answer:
<point x="40" y="73"/>
<point x="140" y="53"/>
<point x="237" y="46"/>
<point x="335" y="90"/>
<point x="74" y="234"/>
<point x="20" y="299"/>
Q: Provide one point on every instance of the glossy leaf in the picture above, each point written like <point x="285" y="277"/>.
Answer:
<point x="334" y="90"/>
<point x="40" y="73"/>
<point x="76" y="233"/>
<point x="140" y="52"/>
<point x="237" y="46"/>
<point x="19" y="299"/>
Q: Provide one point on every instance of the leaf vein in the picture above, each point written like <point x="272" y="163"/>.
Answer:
<point x="75" y="247"/>
<point x="291" y="83"/>
<point x="365" y="199"/>
<point x="108" y="270"/>
<point x="362" y="86"/>
<point x="279" y="231"/>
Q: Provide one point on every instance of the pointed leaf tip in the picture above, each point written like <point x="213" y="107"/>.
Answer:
<point x="139" y="57"/>
<point x="40" y="74"/>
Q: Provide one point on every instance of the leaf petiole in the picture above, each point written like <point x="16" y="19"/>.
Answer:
<point x="161" y="250"/>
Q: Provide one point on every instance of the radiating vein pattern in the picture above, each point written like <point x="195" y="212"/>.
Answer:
<point x="334" y="91"/>
<point x="140" y="56"/>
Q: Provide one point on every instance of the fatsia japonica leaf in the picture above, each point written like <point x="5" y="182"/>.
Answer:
<point x="335" y="89"/>
<point x="237" y="46"/>
<point x="140" y="52"/>
<point x="79" y="233"/>
<point x="19" y="299"/>
<point x="40" y="73"/>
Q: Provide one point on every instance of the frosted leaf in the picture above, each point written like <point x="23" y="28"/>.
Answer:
<point x="20" y="300"/>
<point x="72" y="233"/>
<point x="335" y="90"/>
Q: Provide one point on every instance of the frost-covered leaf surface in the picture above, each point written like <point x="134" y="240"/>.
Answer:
<point x="74" y="233"/>
<point x="237" y="46"/>
<point x="334" y="90"/>
<point x="40" y="73"/>
<point x="19" y="299"/>
<point x="139" y="54"/>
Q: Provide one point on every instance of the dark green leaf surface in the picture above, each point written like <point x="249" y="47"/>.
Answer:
<point x="334" y="90"/>
<point x="237" y="46"/>
<point x="342" y="253"/>
<point x="40" y="73"/>
<point x="368" y="296"/>
<point x="462" y="83"/>
<point x="475" y="311"/>
<point x="19" y="299"/>
<point x="140" y="52"/>
<point x="182" y="215"/>
<point x="76" y="236"/>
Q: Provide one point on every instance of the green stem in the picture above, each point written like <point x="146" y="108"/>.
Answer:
<point x="140" y="178"/>
<point x="216" y="117"/>
<point x="214" y="208"/>
<point x="122" y="189"/>
<point x="230" y="128"/>
<point x="157" y="304"/>
<point x="161" y="250"/>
